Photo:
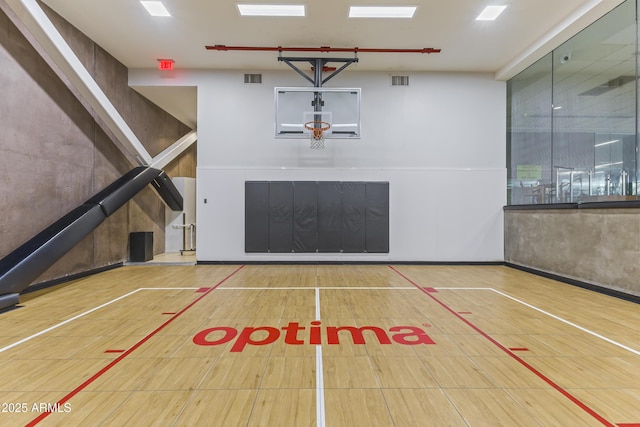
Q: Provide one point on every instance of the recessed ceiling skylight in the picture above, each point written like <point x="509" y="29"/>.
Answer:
<point x="490" y="13"/>
<point x="155" y="8"/>
<point x="381" y="11"/>
<point x="271" y="9"/>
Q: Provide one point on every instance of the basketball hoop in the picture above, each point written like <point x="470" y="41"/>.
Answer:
<point x="317" y="136"/>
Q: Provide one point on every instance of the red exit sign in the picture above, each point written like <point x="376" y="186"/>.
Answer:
<point x="165" y="64"/>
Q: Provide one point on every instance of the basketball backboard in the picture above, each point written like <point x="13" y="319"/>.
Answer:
<point x="339" y="107"/>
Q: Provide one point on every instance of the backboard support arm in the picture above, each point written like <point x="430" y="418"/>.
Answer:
<point x="318" y="65"/>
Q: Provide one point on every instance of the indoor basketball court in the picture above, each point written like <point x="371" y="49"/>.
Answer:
<point x="230" y="214"/>
<point x="320" y="345"/>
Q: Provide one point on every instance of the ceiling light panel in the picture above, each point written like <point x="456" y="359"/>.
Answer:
<point x="155" y="8"/>
<point x="490" y="13"/>
<point x="271" y="9"/>
<point x="381" y="11"/>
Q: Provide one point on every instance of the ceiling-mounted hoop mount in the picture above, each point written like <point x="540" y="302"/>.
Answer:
<point x="318" y="65"/>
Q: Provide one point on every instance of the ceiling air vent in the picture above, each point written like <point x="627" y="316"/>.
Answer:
<point x="253" y="78"/>
<point x="399" y="80"/>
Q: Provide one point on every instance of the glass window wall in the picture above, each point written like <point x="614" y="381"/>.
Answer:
<point x="572" y="118"/>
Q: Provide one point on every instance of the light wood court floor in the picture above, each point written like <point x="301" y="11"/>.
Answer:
<point x="334" y="345"/>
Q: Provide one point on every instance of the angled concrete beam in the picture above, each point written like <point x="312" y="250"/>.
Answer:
<point x="174" y="150"/>
<point x="29" y="17"/>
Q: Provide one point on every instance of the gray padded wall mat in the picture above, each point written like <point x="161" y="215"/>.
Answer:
<point x="329" y="216"/>
<point x="310" y="216"/>
<point x="281" y="216"/>
<point x="377" y="217"/>
<point x="353" y="216"/>
<point x="256" y="217"/>
<point x="305" y="216"/>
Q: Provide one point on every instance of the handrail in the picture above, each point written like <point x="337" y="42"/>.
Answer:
<point x="22" y="266"/>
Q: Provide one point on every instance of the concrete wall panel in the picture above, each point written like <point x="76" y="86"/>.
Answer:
<point x="597" y="246"/>
<point x="184" y="166"/>
<point x="46" y="147"/>
<point x="54" y="155"/>
<point x="81" y="45"/>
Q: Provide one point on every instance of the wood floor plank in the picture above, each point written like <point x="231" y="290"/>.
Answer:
<point x="403" y="372"/>
<point x="218" y="407"/>
<point x="424" y="407"/>
<point x="490" y="407"/>
<point x="284" y="407"/>
<point x="231" y="345"/>
<point x="164" y="406"/>
<point x="352" y="407"/>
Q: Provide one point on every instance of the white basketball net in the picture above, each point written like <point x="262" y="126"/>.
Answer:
<point x="317" y="143"/>
<point x="318" y="133"/>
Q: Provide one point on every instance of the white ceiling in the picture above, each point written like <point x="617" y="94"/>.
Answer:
<point x="526" y="31"/>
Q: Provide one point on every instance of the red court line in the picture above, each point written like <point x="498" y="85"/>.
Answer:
<point x="97" y="375"/>
<point x="518" y="349"/>
<point x="501" y="347"/>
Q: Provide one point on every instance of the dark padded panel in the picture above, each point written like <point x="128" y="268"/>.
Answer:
<point x="305" y="216"/>
<point x="329" y="216"/>
<point x="256" y="217"/>
<point x="281" y="216"/>
<point x="168" y="191"/>
<point x="141" y="246"/>
<point x="9" y="300"/>
<point x="123" y="189"/>
<point x="353" y="216"/>
<point x="377" y="217"/>
<point x="25" y="264"/>
<point x="22" y="266"/>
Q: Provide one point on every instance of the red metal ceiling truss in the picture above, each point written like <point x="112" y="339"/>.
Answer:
<point x="356" y="50"/>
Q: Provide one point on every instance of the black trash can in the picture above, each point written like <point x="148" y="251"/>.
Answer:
<point x="141" y="246"/>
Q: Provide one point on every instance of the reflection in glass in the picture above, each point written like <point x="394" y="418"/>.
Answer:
<point x="572" y="118"/>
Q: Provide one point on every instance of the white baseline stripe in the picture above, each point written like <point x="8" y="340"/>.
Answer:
<point x="371" y="288"/>
<point x="22" y="341"/>
<point x="636" y="352"/>
<point x="302" y="288"/>
<point x="65" y="322"/>
<point x="320" y="416"/>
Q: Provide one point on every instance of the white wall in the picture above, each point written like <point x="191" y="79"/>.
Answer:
<point x="435" y="215"/>
<point x="440" y="142"/>
<point x="176" y="237"/>
<point x="440" y="120"/>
